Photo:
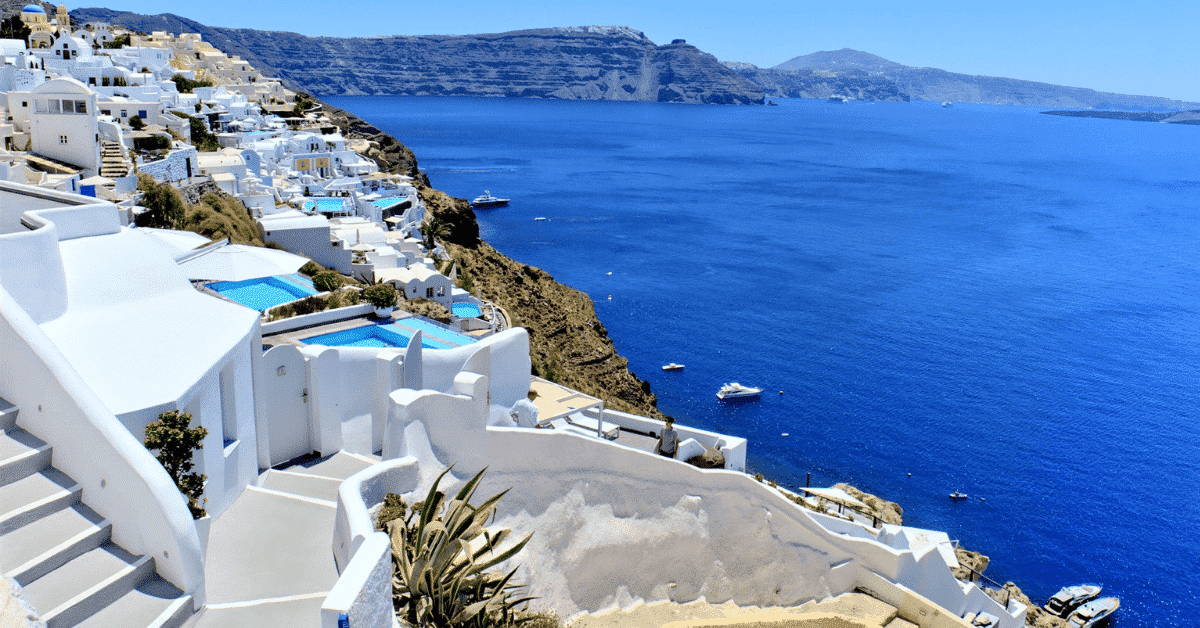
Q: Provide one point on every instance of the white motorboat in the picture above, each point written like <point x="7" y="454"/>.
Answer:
<point x="957" y="496"/>
<point x="1094" y="612"/>
<point x="1068" y="599"/>
<point x="487" y="200"/>
<point x="673" y="367"/>
<point x="737" y="391"/>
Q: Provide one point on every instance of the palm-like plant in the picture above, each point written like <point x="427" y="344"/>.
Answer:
<point x="433" y="229"/>
<point x="441" y="553"/>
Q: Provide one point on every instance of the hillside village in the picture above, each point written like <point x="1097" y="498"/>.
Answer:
<point x="343" y="362"/>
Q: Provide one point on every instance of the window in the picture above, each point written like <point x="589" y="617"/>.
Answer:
<point x="24" y="103"/>
<point x="55" y="106"/>
<point x="68" y="106"/>
<point x="124" y="114"/>
<point x="80" y="106"/>
<point x="441" y="291"/>
<point x="62" y="139"/>
<point x="41" y="106"/>
<point x="428" y="291"/>
<point x="142" y="114"/>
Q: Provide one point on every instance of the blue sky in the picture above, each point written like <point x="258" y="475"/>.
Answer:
<point x="1148" y="48"/>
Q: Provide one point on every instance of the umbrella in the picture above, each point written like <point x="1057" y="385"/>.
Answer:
<point x="238" y="262"/>
<point x="363" y="246"/>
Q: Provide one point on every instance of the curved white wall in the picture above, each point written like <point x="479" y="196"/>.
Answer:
<point x="120" y="479"/>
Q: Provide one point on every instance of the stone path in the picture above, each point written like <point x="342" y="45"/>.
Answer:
<point x="270" y="559"/>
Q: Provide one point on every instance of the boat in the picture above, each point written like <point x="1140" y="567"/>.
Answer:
<point x="737" y="391"/>
<point x="957" y="496"/>
<point x="487" y="200"/>
<point x="1068" y="599"/>
<point x="772" y="103"/>
<point x="1093" y="613"/>
<point x="947" y="104"/>
<point x="838" y="98"/>
<point x="540" y="218"/>
<point x="673" y="367"/>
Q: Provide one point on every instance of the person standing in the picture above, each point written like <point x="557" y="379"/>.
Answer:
<point x="668" y="443"/>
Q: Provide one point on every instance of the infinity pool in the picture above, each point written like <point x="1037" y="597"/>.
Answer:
<point x="264" y="293"/>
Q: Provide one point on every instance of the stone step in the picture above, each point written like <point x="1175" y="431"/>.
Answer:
<point x="340" y="465"/>
<point x="155" y="603"/>
<point x="36" y="496"/>
<point x="304" y="484"/>
<point x="900" y="623"/>
<point x="36" y="549"/>
<point x="21" y="455"/>
<point x="8" y="416"/>
<point x="86" y="585"/>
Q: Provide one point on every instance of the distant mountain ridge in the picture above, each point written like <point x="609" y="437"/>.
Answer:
<point x="587" y="62"/>
<point x="863" y="76"/>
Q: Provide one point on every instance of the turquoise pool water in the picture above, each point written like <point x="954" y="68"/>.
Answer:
<point x="265" y="293"/>
<point x="388" y="203"/>
<point x="396" y="334"/>
<point x="327" y="204"/>
<point x="431" y="332"/>
<point x="378" y="336"/>
<point x="465" y="310"/>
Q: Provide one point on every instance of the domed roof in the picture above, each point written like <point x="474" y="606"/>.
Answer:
<point x="33" y="8"/>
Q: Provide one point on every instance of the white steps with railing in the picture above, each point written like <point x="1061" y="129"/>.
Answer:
<point x="62" y="552"/>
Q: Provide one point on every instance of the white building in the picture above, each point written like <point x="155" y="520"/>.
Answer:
<point x="62" y="124"/>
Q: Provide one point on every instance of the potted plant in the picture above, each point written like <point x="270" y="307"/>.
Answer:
<point x="383" y="297"/>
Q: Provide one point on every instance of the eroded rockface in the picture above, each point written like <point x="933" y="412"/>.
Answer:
<point x="585" y="63"/>
<point x="567" y="343"/>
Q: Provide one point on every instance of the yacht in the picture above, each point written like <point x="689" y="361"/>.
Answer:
<point x="1093" y="613"/>
<point x="487" y="200"/>
<point x="838" y="98"/>
<point x="957" y="496"/>
<point x="947" y="104"/>
<point x="673" y="367"/>
<point x="737" y="391"/>
<point x="1068" y="599"/>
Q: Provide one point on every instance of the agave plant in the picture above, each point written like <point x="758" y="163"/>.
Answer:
<point x="442" y="554"/>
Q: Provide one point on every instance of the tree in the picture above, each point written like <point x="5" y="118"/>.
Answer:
<point x="177" y="444"/>
<point x="380" y="295"/>
<point x="136" y="123"/>
<point x="13" y="28"/>
<point x="433" y="229"/>
<point x="164" y="205"/>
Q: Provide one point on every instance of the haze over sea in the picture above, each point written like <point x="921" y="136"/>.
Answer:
<point x="995" y="301"/>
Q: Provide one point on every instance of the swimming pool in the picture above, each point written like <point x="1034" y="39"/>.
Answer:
<point x="372" y="336"/>
<point x="264" y="293"/>
<point x="388" y="203"/>
<point x="330" y="205"/>
<point x="429" y="330"/>
<point x="465" y="310"/>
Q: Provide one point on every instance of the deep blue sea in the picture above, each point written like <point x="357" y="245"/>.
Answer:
<point x="993" y="300"/>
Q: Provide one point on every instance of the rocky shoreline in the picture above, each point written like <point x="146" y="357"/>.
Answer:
<point x="568" y="343"/>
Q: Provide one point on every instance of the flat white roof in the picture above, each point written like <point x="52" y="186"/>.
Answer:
<point x="135" y="329"/>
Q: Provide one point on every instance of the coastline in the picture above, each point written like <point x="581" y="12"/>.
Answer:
<point x="566" y="336"/>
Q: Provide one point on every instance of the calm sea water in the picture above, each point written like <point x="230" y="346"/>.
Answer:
<point x="995" y="301"/>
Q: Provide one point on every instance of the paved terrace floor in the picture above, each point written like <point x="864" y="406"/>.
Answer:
<point x="270" y="559"/>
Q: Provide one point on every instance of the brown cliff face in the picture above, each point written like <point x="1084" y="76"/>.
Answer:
<point x="584" y="63"/>
<point x="567" y="343"/>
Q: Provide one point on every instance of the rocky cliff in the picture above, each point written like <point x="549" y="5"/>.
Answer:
<point x="585" y="63"/>
<point x="863" y="76"/>
<point x="568" y="344"/>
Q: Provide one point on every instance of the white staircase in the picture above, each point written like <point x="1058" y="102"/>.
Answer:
<point x="113" y="162"/>
<point x="61" y="551"/>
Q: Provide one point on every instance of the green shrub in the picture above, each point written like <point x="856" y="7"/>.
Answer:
<point x="185" y="85"/>
<point x="311" y="268"/>
<point x="164" y="205"/>
<point x="136" y="123"/>
<point x="441" y="554"/>
<point x="327" y="281"/>
<point x="176" y="444"/>
<point x="119" y="42"/>
<point x="380" y="295"/>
